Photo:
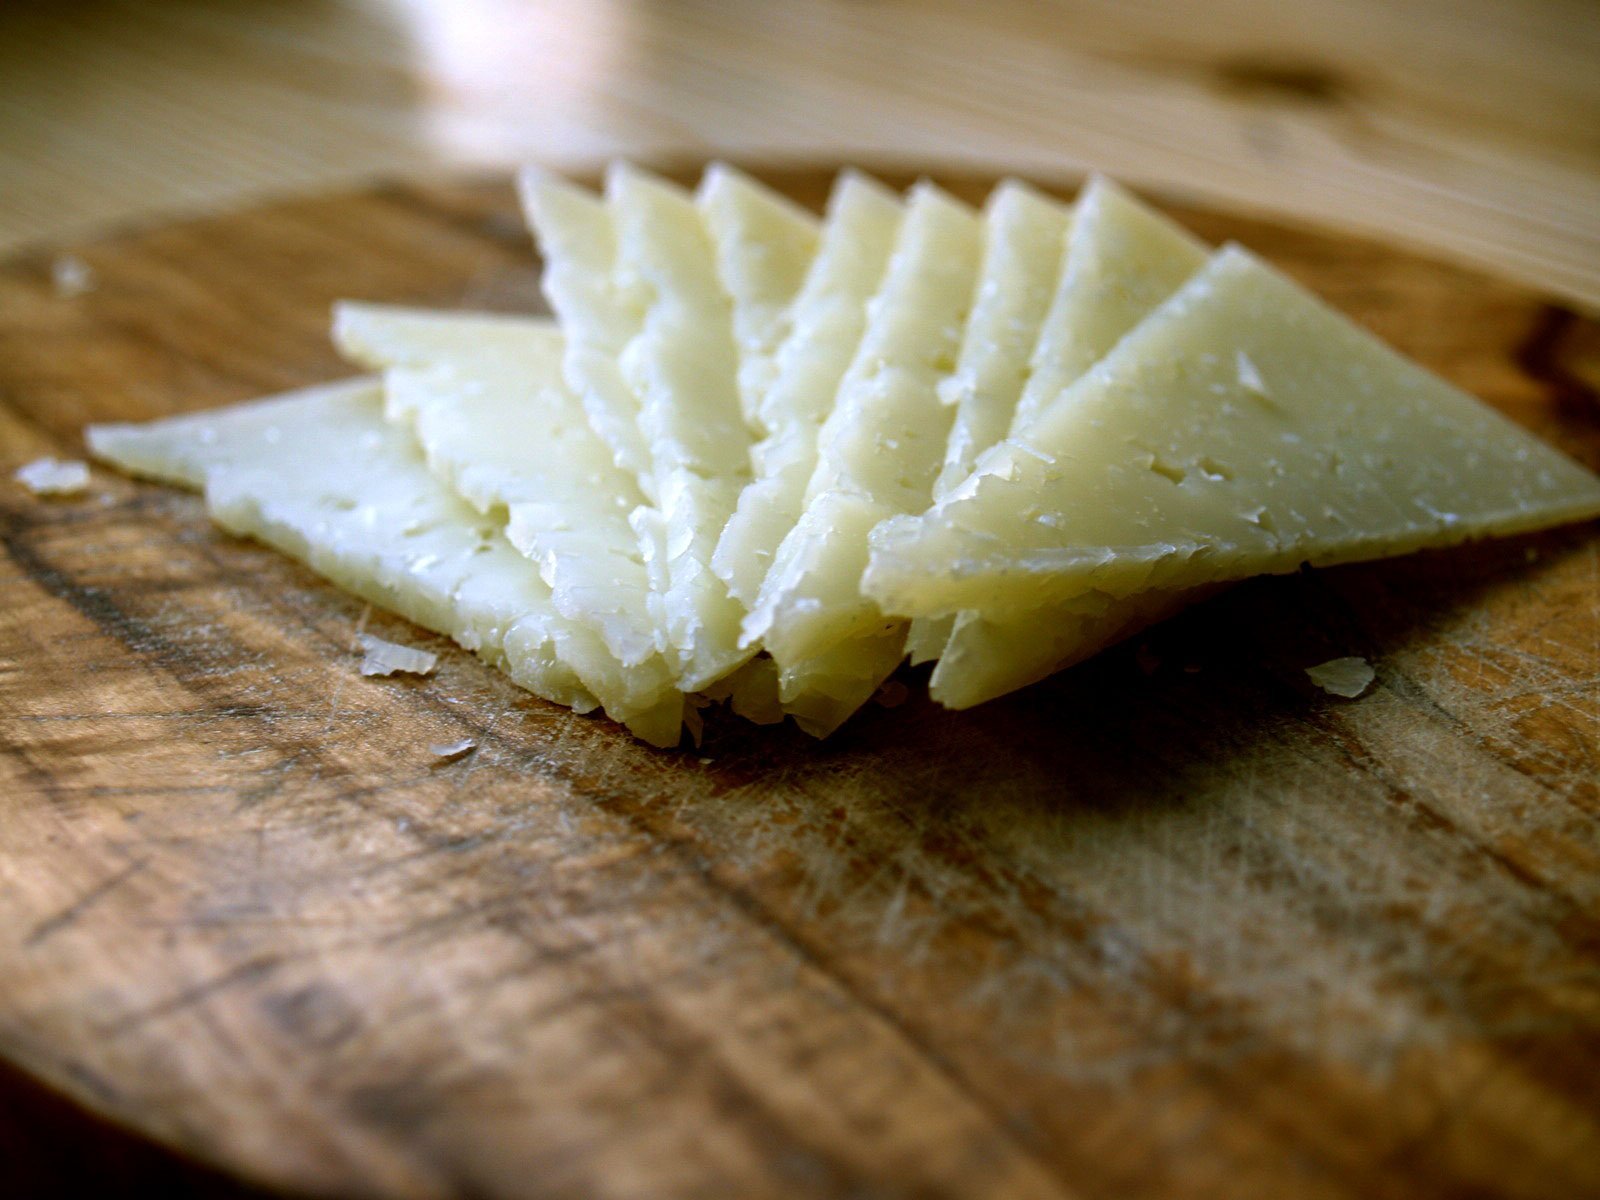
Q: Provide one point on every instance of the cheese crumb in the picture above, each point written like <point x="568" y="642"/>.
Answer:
<point x="52" y="477"/>
<point x="71" y="276"/>
<point x="387" y="658"/>
<point x="450" y="751"/>
<point x="1347" y="677"/>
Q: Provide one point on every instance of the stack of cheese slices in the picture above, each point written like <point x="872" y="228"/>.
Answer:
<point x="763" y="458"/>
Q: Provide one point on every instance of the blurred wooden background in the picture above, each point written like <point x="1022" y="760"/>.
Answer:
<point x="1470" y="127"/>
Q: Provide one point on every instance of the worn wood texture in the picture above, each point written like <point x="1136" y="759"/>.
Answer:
<point x="1171" y="924"/>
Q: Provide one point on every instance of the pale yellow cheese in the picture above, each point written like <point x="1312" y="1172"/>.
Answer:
<point x="497" y="423"/>
<point x="880" y="447"/>
<point x="662" y="328"/>
<point x="485" y="397"/>
<point x="1243" y="428"/>
<point x="987" y="658"/>
<point x="878" y="453"/>
<point x="599" y="313"/>
<point x="682" y="362"/>
<point x="320" y="475"/>
<point x="1024" y="238"/>
<point x="1122" y="259"/>
<point x="1023" y="244"/>
<point x="824" y="328"/>
<point x="765" y="244"/>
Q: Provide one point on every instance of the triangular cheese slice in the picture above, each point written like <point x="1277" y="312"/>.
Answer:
<point x="665" y="324"/>
<point x="497" y="423"/>
<point x="1024" y="239"/>
<point x="320" y="475"/>
<point x="1122" y="259"/>
<point x="1244" y="428"/>
<point x="878" y="453"/>
<point x="765" y="244"/>
<point x="990" y="658"/>
<point x="824" y="327"/>
<point x="600" y="313"/>
<point x="1023" y="242"/>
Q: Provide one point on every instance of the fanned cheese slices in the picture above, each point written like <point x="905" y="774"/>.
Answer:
<point x="1023" y="244"/>
<point x="321" y="476"/>
<point x="765" y="245"/>
<point x="823" y="327"/>
<point x="653" y="357"/>
<point x="1243" y="428"/>
<point x="758" y="456"/>
<point x="1122" y="259"/>
<point x="1024" y="241"/>
<point x="496" y="422"/>
<point x="877" y="455"/>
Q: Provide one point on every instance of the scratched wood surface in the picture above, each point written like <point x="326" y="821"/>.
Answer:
<point x="1172" y="924"/>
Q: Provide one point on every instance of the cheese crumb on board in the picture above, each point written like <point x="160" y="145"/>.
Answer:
<point x="451" y="751"/>
<point x="380" y="657"/>
<point x="1347" y="677"/>
<point x="71" y="277"/>
<point x="53" y="477"/>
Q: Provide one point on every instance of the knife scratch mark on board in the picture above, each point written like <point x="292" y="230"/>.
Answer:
<point x="67" y="916"/>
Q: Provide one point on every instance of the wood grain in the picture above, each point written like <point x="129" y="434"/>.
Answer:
<point x="1171" y="924"/>
<point x="1468" y="127"/>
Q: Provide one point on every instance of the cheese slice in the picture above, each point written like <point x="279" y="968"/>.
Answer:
<point x="320" y="475"/>
<point x="1024" y="239"/>
<point x="824" y="328"/>
<point x="1244" y="428"/>
<point x="764" y="245"/>
<point x="1122" y="259"/>
<point x="1023" y="243"/>
<point x="670" y="344"/>
<point x="986" y="659"/>
<point x="497" y="423"/>
<point x="878" y="454"/>
<point x="599" y="312"/>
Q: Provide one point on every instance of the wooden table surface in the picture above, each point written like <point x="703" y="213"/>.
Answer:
<point x="1173" y="924"/>
<point x="1468" y="127"/>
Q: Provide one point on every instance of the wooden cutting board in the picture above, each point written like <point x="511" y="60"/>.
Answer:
<point x="1172" y="924"/>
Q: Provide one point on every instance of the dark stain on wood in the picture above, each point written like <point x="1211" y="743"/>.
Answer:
<point x="1544" y="354"/>
<point x="1291" y="80"/>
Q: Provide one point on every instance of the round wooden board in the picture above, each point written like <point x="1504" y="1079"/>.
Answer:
<point x="1171" y="924"/>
